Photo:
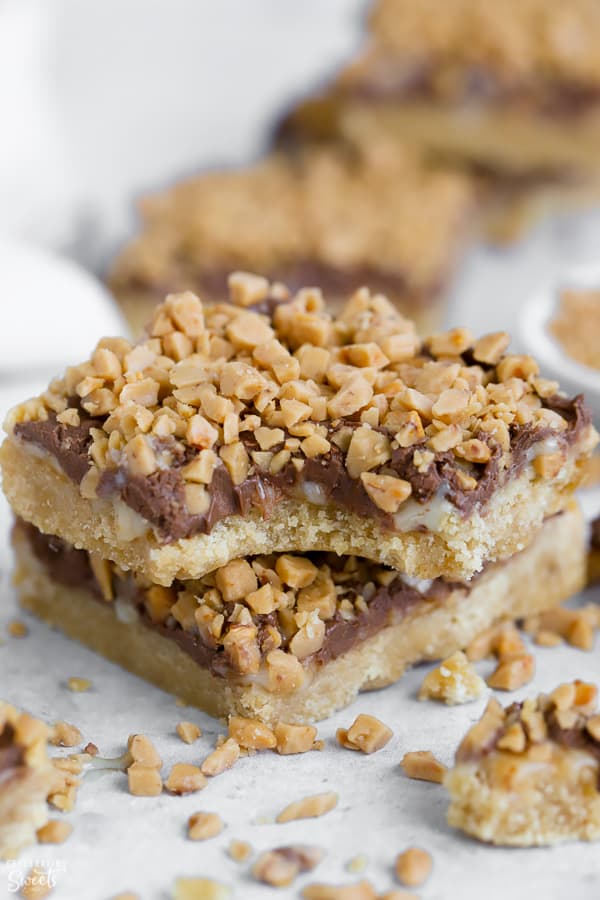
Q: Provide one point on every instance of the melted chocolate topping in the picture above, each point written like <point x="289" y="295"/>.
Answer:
<point x="333" y="282"/>
<point x="477" y="84"/>
<point x="12" y="756"/>
<point x="67" y="565"/>
<point x="159" y="498"/>
<point x="595" y="537"/>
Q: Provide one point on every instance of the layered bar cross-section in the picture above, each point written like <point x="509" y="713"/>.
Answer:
<point x="282" y="636"/>
<point x="507" y="91"/>
<point x="269" y="425"/>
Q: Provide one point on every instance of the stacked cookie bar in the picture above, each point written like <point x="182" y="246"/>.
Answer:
<point x="509" y="91"/>
<point x="266" y="508"/>
<point x="368" y="213"/>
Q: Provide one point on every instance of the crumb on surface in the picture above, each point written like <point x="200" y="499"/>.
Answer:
<point x="366" y="733"/>
<point x="223" y="757"/>
<point x="309" y="807"/>
<point x="512" y="672"/>
<point x="200" y="889"/>
<point x="204" y="825"/>
<point x="188" y="732"/>
<point x="295" y="738"/>
<point x="251" y="734"/>
<point x="360" y="890"/>
<point x="422" y="765"/>
<point x="55" y="831"/>
<point x="78" y="685"/>
<point x="239" y="851"/>
<point x="454" y="681"/>
<point x="576" y="626"/>
<point x="499" y="640"/>
<point x="37" y="884"/>
<point x="357" y="864"/>
<point x="144" y="781"/>
<point x="413" y="866"/>
<point x="17" y="629"/>
<point x="65" y="735"/>
<point x="185" y="778"/>
<point x="143" y="751"/>
<point x="281" y="866"/>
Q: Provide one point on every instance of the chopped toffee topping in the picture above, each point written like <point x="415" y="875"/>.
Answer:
<point x="565" y="719"/>
<point x="467" y="42"/>
<point x="305" y="609"/>
<point x="222" y="410"/>
<point x="339" y="217"/>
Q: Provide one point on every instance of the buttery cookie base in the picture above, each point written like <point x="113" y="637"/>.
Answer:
<point x="533" y="580"/>
<point x="42" y="494"/>
<point x="554" y="811"/>
<point x="505" y="139"/>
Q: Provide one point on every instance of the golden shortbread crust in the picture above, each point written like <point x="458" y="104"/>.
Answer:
<point x="40" y="493"/>
<point x="533" y="580"/>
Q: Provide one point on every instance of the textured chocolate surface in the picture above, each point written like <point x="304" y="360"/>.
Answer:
<point x="159" y="498"/>
<point x="595" y="536"/>
<point x="576" y="737"/>
<point x="11" y="754"/>
<point x="69" y="566"/>
<point x="67" y="443"/>
<point x="390" y="79"/>
<point x="333" y="281"/>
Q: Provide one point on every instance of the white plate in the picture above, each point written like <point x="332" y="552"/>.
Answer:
<point x="536" y="339"/>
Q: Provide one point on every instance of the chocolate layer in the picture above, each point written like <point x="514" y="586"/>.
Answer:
<point x="68" y="444"/>
<point x="576" y="737"/>
<point x="334" y="282"/>
<point x="387" y="79"/>
<point x="12" y="756"/>
<point x="69" y="566"/>
<point x="595" y="535"/>
<point x="159" y="498"/>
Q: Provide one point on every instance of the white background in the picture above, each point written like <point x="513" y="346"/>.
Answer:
<point x="102" y="101"/>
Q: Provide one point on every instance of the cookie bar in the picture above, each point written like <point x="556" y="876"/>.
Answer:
<point x="338" y="217"/>
<point x="270" y="426"/>
<point x="529" y="775"/>
<point x="286" y="637"/>
<point x="594" y="553"/>
<point x="454" y="79"/>
<point x="517" y="104"/>
<point x="26" y="778"/>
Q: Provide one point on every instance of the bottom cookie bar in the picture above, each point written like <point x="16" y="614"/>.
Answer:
<point x="529" y="775"/>
<point x="26" y="779"/>
<point x="282" y="637"/>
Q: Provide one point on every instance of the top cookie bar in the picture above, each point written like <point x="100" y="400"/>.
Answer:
<point x="267" y="424"/>
<point x="513" y="43"/>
